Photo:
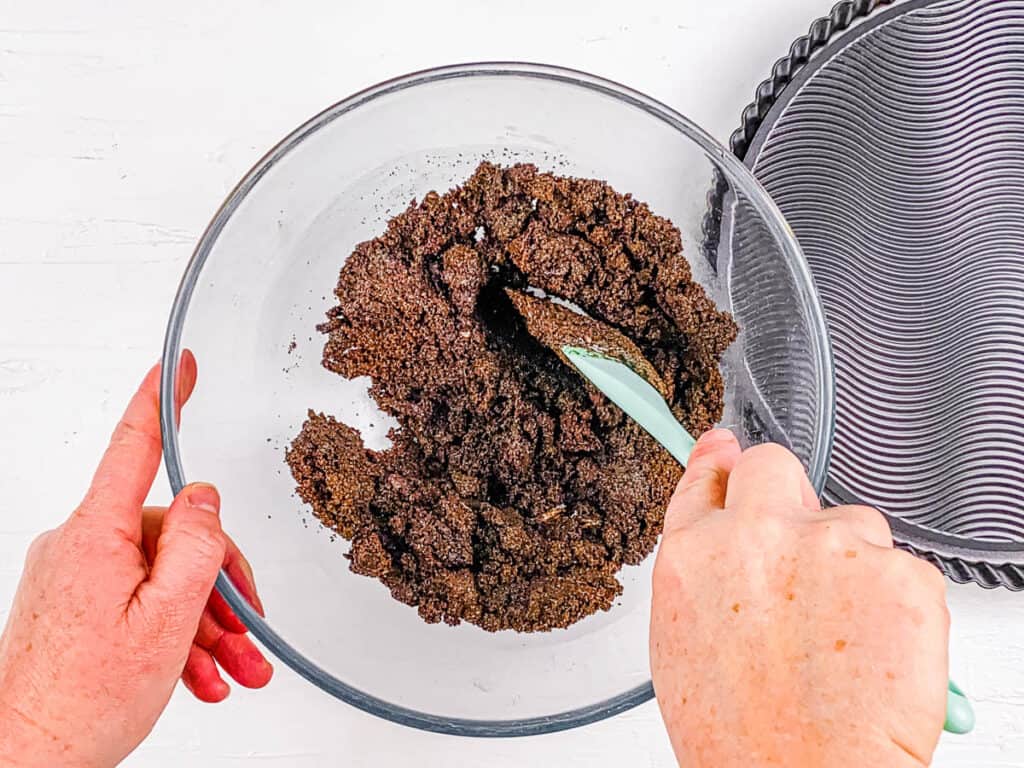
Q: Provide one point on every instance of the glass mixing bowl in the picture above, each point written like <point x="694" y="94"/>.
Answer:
<point x="262" y="278"/>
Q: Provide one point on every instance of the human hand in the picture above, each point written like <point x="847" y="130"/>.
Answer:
<point x="784" y="634"/>
<point x="115" y="606"/>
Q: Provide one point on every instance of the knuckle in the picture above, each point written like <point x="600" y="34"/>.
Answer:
<point x="697" y="479"/>
<point x="665" y="578"/>
<point x="39" y="545"/>
<point x="831" y="536"/>
<point x="931" y="576"/>
<point x="773" y="453"/>
<point x="130" y="434"/>
<point x="865" y="514"/>
<point x="912" y="570"/>
<point x="767" y="525"/>
<point x="704" y="473"/>
<point x="204" y="540"/>
<point x="84" y="538"/>
<point x="868" y="522"/>
<point x="703" y="451"/>
<point x="73" y="538"/>
<point x="672" y="582"/>
<point x="758" y="518"/>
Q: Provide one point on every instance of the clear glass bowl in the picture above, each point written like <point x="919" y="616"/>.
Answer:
<point x="262" y="277"/>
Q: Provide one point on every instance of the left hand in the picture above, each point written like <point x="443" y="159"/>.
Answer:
<point x="115" y="606"/>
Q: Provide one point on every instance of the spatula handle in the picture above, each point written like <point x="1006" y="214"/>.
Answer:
<point x="959" y="712"/>
<point x="678" y="442"/>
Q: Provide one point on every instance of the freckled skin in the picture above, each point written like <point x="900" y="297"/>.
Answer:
<point x="784" y="634"/>
<point x="115" y="606"/>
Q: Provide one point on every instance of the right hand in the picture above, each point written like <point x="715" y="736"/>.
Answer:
<point x="784" y="634"/>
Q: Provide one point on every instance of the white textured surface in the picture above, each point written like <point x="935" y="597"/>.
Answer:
<point x="122" y="127"/>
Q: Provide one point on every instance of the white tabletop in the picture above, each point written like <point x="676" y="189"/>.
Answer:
<point x="122" y="127"/>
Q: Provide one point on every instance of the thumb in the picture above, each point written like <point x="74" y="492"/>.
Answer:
<point x="703" y="485"/>
<point x="189" y="552"/>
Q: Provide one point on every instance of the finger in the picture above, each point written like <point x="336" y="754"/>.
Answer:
<point x="126" y="471"/>
<point x="189" y="553"/>
<point x="241" y="659"/>
<point x="202" y="677"/>
<point x="868" y="523"/>
<point x="246" y="579"/>
<point x="235" y="564"/>
<point x="240" y="573"/>
<point x="769" y="473"/>
<point x="704" y="482"/>
<point x="188" y="373"/>
<point x="235" y="652"/>
<point x="152" y="522"/>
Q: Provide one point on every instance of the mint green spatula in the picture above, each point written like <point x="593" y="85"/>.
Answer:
<point x="644" y="404"/>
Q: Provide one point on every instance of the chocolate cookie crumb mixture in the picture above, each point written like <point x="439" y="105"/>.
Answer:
<point x="556" y="327"/>
<point x="513" y="491"/>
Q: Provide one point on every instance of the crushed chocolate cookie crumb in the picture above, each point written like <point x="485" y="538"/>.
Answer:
<point x="513" y="492"/>
<point x="556" y="326"/>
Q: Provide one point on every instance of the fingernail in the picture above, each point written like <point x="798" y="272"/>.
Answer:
<point x="245" y="584"/>
<point x="715" y="436"/>
<point x="253" y="599"/>
<point x="203" y="496"/>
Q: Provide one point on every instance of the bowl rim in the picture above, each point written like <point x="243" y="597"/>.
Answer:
<point x="723" y="158"/>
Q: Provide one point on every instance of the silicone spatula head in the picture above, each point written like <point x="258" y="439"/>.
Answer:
<point x="635" y="395"/>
